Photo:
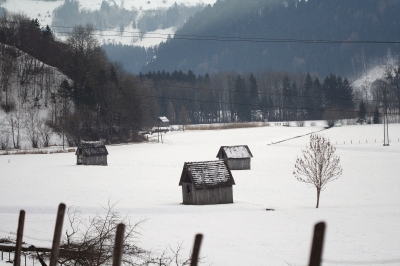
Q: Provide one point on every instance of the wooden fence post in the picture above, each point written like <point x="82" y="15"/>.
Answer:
<point x="55" y="249"/>
<point x="196" y="250"/>
<point x="119" y="245"/>
<point x="20" y="233"/>
<point x="317" y="244"/>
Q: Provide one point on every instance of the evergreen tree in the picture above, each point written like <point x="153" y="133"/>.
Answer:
<point x="289" y="94"/>
<point x="171" y="112"/>
<point x="254" y="97"/>
<point x="347" y="95"/>
<point x="377" y="119"/>
<point x="183" y="117"/>
<point x="241" y="100"/>
<point x="330" y="93"/>
<point x="362" y="113"/>
<point x="318" y="99"/>
<point x="308" y="97"/>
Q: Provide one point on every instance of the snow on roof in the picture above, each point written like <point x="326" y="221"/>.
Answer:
<point x="235" y="152"/>
<point x="207" y="174"/>
<point x="163" y="119"/>
<point x="93" y="148"/>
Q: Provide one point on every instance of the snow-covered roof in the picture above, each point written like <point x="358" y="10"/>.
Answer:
<point x="163" y="119"/>
<point x="92" y="148"/>
<point x="207" y="174"/>
<point x="234" y="152"/>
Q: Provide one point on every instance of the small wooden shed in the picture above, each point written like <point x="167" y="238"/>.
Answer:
<point x="236" y="157"/>
<point x="208" y="182"/>
<point x="163" y="121"/>
<point x="91" y="153"/>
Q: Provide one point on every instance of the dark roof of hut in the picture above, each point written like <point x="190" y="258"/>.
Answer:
<point x="207" y="174"/>
<point x="235" y="152"/>
<point x="92" y="148"/>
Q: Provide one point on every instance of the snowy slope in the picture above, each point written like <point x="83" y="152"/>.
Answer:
<point x="43" y="11"/>
<point x="363" y="84"/>
<point x="361" y="208"/>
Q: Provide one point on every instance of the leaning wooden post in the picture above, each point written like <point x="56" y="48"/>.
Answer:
<point x="20" y="233"/>
<point x="196" y="250"/>
<point x="55" y="249"/>
<point x="317" y="244"/>
<point x="119" y="245"/>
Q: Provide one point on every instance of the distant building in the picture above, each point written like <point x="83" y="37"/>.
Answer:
<point x="91" y="153"/>
<point x="236" y="157"/>
<point x="163" y="121"/>
<point x="206" y="183"/>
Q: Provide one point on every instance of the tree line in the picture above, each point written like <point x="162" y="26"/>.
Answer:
<point x="265" y="96"/>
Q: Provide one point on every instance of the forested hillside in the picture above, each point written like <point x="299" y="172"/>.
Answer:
<point x="294" y="35"/>
<point x="94" y="100"/>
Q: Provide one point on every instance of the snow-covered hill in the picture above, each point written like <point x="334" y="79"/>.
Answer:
<point x="43" y="11"/>
<point x="30" y="100"/>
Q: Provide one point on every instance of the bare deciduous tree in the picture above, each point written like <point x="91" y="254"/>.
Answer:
<point x="15" y="123"/>
<point x="4" y="135"/>
<point x="91" y="242"/>
<point x="6" y="75"/>
<point x="32" y="122"/>
<point x="45" y="132"/>
<point x="319" y="165"/>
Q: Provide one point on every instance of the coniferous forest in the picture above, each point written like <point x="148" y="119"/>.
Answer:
<point x="316" y="36"/>
<point x="100" y="99"/>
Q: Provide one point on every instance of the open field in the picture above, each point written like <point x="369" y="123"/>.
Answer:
<point x="361" y="208"/>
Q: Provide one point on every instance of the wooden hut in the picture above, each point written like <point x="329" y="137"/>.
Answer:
<point x="206" y="183"/>
<point x="91" y="153"/>
<point x="163" y="121"/>
<point x="236" y="157"/>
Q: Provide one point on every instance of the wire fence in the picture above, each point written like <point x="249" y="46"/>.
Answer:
<point x="18" y="251"/>
<point x="364" y="141"/>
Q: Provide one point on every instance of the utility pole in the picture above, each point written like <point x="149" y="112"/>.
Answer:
<point x="385" y="116"/>
<point x="63" y="118"/>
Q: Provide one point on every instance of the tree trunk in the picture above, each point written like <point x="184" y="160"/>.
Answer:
<point x="318" y="193"/>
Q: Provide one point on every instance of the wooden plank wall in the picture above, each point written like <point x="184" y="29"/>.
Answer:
<point x="205" y="196"/>
<point x="95" y="160"/>
<point x="239" y="164"/>
<point x="188" y="198"/>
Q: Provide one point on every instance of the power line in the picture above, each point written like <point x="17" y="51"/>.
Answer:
<point x="193" y="37"/>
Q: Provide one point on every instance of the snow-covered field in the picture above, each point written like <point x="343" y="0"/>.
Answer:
<point x="361" y="208"/>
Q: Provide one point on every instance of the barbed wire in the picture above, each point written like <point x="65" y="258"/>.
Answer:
<point x="372" y="262"/>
